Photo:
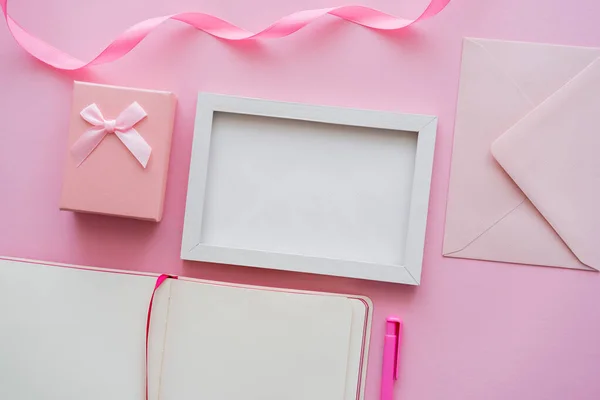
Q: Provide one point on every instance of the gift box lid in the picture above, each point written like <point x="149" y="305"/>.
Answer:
<point x="110" y="180"/>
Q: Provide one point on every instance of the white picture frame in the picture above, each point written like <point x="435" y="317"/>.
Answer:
<point x="273" y="184"/>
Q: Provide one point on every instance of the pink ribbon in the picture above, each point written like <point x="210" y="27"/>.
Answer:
<point x="212" y="25"/>
<point x="122" y="127"/>
<point x="159" y="281"/>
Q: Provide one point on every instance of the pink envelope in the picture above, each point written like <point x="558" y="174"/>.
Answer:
<point x="525" y="177"/>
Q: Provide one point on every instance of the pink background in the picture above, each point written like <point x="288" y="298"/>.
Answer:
<point x="474" y="330"/>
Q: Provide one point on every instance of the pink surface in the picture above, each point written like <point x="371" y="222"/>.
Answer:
<point x="110" y="180"/>
<point x="473" y="330"/>
<point x="488" y="217"/>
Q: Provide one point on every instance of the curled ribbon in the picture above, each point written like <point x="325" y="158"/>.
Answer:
<point x="212" y="25"/>
<point x="159" y="281"/>
<point x="122" y="127"/>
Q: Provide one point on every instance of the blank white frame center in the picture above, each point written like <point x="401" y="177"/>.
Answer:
<point x="306" y="188"/>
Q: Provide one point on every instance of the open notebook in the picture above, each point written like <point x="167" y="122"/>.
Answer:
<point x="75" y="333"/>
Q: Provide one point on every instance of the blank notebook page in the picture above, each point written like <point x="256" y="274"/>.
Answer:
<point x="73" y="334"/>
<point x="238" y="343"/>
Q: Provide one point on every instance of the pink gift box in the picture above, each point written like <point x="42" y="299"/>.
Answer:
<point x="110" y="180"/>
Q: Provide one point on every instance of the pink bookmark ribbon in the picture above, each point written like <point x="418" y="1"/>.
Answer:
<point x="212" y="25"/>
<point x="122" y="127"/>
<point x="159" y="281"/>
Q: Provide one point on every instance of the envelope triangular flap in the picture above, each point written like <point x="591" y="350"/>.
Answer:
<point x="538" y="69"/>
<point x="552" y="155"/>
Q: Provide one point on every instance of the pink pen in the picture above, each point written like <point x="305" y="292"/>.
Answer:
<point x="391" y="357"/>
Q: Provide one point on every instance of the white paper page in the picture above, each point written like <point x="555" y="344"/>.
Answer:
<point x="74" y="334"/>
<point x="232" y="343"/>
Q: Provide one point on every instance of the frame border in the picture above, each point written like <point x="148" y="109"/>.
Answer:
<point x="424" y="126"/>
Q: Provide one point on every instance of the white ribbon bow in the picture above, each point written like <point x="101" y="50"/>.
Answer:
<point x="122" y="127"/>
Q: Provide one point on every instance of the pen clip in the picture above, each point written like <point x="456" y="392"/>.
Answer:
<point x="394" y="327"/>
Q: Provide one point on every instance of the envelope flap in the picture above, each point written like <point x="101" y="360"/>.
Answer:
<point x="552" y="155"/>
